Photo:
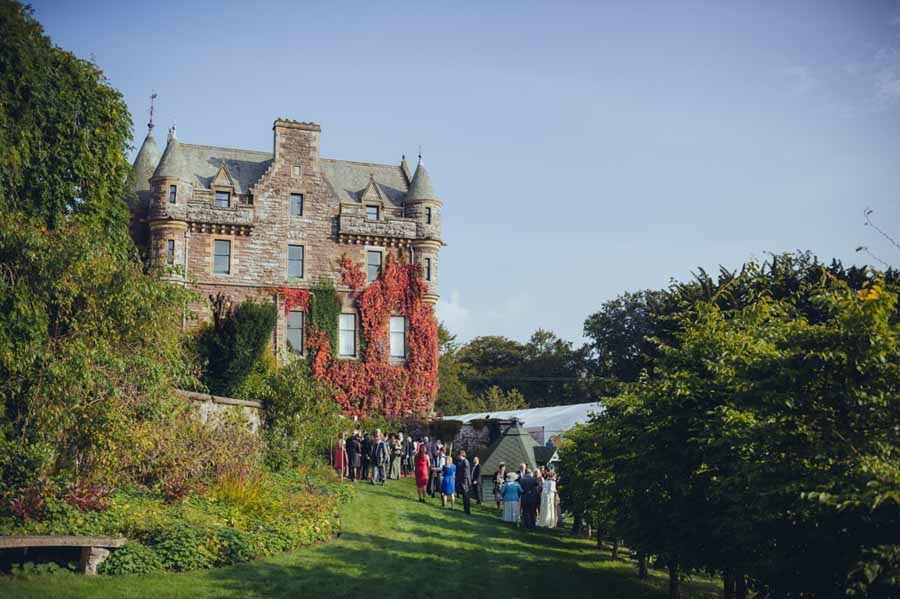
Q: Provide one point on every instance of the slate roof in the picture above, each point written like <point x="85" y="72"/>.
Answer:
<point x="421" y="188"/>
<point x="515" y="447"/>
<point x="199" y="165"/>
<point x="349" y="179"/>
<point x="145" y="162"/>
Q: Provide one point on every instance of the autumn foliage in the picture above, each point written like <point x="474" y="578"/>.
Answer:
<point x="373" y="384"/>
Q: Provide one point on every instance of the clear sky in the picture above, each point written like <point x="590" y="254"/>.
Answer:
<point x="581" y="149"/>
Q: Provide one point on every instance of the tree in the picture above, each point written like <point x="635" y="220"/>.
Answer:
<point x="64" y="132"/>
<point x="234" y="343"/>
<point x="494" y="399"/>
<point x="453" y="395"/>
<point x="492" y="361"/>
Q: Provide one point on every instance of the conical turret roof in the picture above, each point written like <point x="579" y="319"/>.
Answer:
<point x="145" y="162"/>
<point x="171" y="164"/>
<point x="420" y="188"/>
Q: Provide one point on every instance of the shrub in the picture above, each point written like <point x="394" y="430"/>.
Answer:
<point x="302" y="418"/>
<point x="182" y="548"/>
<point x="241" y="488"/>
<point x="132" y="558"/>
<point x="179" y="454"/>
<point x="49" y="568"/>
<point x="233" y="546"/>
<point x="234" y="343"/>
<point x="88" y="496"/>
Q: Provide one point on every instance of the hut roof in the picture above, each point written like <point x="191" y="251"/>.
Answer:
<point x="515" y="447"/>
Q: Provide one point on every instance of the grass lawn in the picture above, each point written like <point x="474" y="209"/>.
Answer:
<point x="393" y="546"/>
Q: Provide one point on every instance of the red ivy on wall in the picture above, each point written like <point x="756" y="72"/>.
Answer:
<point x="372" y="384"/>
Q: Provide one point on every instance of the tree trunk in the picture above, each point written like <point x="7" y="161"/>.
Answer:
<point x="642" y="565"/>
<point x="599" y="539"/>
<point x="727" y="585"/>
<point x="740" y="587"/>
<point x="674" y="586"/>
<point x="615" y="550"/>
<point x="576" y="523"/>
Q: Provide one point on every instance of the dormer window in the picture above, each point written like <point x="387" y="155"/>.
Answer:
<point x="427" y="216"/>
<point x="223" y="199"/>
<point x="372" y="212"/>
<point x="173" y="193"/>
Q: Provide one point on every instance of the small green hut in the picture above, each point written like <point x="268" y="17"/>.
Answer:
<point x="515" y="447"/>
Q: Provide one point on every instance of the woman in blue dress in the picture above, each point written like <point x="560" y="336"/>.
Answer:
<point x="448" y="484"/>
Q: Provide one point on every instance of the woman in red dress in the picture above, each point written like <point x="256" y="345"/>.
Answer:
<point x="422" y="468"/>
<point x="340" y="456"/>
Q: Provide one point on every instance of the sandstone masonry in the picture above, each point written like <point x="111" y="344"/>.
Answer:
<point x="223" y="220"/>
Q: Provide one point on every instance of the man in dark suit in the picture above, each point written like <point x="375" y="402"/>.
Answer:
<point x="531" y="497"/>
<point x="464" y="479"/>
<point x="354" y="449"/>
<point x="476" y="479"/>
<point x="379" y="459"/>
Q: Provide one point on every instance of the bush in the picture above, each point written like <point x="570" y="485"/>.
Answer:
<point x="182" y="548"/>
<point x="49" y="568"/>
<point x="302" y="418"/>
<point x="132" y="558"/>
<point x="179" y="454"/>
<point x="234" y="343"/>
<point x="234" y="546"/>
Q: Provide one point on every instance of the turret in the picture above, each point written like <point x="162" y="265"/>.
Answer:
<point x="422" y="204"/>
<point x="169" y="191"/>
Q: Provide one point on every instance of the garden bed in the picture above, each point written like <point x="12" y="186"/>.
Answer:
<point x="238" y="519"/>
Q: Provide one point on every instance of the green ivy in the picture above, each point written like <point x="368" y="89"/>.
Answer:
<point x="324" y="311"/>
<point x="132" y="558"/>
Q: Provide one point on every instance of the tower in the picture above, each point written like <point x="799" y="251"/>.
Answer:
<point x="422" y="204"/>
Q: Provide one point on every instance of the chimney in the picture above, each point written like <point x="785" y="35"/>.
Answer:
<point x="296" y="143"/>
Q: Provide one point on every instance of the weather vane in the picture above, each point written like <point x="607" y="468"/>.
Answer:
<point x="152" y="99"/>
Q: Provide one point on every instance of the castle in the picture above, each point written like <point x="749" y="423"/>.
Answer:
<point x="244" y="222"/>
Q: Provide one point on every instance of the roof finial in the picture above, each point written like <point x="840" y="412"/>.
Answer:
<point x="420" y="153"/>
<point x="152" y="98"/>
<point x="172" y="132"/>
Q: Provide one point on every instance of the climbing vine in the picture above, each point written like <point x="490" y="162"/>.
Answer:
<point x="373" y="384"/>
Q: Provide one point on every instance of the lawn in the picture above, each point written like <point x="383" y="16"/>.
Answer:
<point x="393" y="545"/>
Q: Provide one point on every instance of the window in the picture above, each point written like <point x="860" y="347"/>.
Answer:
<point x="170" y="251"/>
<point x="371" y="212"/>
<point x="296" y="204"/>
<point x="347" y="335"/>
<point x="295" y="261"/>
<point x="373" y="266"/>
<point x="222" y="257"/>
<point x="223" y="199"/>
<point x="398" y="337"/>
<point x="427" y="216"/>
<point x="173" y="194"/>
<point x="295" y="331"/>
<point x="427" y="269"/>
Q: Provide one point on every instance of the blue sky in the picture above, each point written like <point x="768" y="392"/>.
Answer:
<point x="581" y="149"/>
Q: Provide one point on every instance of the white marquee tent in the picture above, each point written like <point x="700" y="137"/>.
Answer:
<point x="555" y="420"/>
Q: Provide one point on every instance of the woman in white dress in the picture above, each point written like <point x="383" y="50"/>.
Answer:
<point x="548" y="503"/>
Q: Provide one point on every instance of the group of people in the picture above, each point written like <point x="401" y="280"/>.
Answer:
<point x="374" y="457"/>
<point x="528" y="497"/>
<point x="437" y="473"/>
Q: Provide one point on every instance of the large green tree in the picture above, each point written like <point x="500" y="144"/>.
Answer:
<point x="64" y="132"/>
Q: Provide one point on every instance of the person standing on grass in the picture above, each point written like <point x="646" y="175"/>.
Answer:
<point x="422" y="471"/>
<point x="476" y="479"/>
<point x="379" y="459"/>
<point x="464" y="479"/>
<point x="448" y="483"/>
<point x="340" y="456"/>
<point x="366" y="456"/>
<point x="512" y="495"/>
<point x="354" y="448"/>
<point x="548" y="502"/>
<point x="529" y="499"/>
<point x="499" y="479"/>
<point x="409" y="451"/>
<point x="396" y="455"/>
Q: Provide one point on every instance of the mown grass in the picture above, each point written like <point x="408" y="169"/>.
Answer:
<point x="392" y="545"/>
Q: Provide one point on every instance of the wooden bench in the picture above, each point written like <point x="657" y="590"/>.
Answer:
<point x="93" y="549"/>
